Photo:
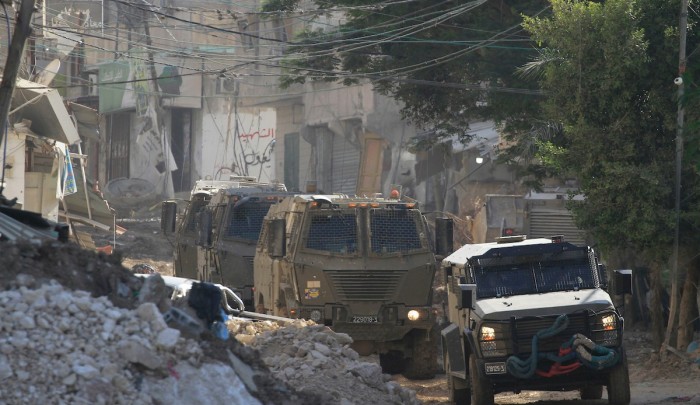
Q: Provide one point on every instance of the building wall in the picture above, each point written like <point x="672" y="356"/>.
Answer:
<point x="142" y="163"/>
<point x="12" y="153"/>
<point x="239" y="141"/>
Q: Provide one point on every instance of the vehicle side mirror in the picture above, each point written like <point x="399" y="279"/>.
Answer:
<point x="467" y="296"/>
<point x="444" y="236"/>
<point x="168" y="213"/>
<point x="603" y="276"/>
<point x="277" y="238"/>
<point x="623" y="281"/>
<point x="205" y="227"/>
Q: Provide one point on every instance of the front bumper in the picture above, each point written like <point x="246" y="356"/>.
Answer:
<point x="388" y="323"/>
<point x="495" y="371"/>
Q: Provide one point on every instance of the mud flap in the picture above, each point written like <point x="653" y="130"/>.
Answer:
<point x="452" y="347"/>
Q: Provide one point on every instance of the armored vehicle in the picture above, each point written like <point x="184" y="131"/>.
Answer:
<point x="218" y="231"/>
<point x="362" y="266"/>
<point x="532" y="315"/>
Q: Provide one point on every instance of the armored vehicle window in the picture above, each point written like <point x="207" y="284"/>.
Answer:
<point x="394" y="231"/>
<point x="564" y="275"/>
<point x="332" y="231"/>
<point x="195" y="206"/>
<point x="246" y="220"/>
<point x="502" y="281"/>
<point x="564" y="271"/>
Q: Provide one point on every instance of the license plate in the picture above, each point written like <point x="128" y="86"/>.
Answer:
<point x="364" y="319"/>
<point x="495" y="368"/>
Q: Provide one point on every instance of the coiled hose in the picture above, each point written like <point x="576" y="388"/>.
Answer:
<point x="579" y="347"/>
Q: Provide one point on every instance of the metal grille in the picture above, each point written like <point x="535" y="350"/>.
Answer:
<point x="394" y="231"/>
<point x="564" y="275"/>
<point x="246" y="221"/>
<point x="525" y="329"/>
<point x="332" y="232"/>
<point x="562" y="271"/>
<point x="365" y="284"/>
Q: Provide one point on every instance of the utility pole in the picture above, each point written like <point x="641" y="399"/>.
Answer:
<point x="14" y="59"/>
<point x="675" y="299"/>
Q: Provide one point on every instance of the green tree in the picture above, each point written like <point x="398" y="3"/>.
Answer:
<point x="446" y="62"/>
<point x="610" y="85"/>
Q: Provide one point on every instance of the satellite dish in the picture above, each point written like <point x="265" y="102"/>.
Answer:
<point x="46" y="76"/>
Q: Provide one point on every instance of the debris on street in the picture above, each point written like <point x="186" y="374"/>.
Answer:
<point x="78" y="327"/>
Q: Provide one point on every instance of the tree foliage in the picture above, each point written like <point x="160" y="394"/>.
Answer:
<point x="446" y="62"/>
<point x="611" y="88"/>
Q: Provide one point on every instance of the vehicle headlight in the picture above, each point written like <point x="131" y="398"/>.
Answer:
<point x="609" y="322"/>
<point x="492" y="340"/>
<point x="315" y="315"/>
<point x="413" y="315"/>
<point x="605" y="329"/>
<point x="488" y="333"/>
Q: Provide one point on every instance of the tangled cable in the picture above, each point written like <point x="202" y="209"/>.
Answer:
<point x="579" y="348"/>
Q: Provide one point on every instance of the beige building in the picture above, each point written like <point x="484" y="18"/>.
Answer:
<point x="188" y="92"/>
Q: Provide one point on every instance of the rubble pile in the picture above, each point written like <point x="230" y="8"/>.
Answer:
<point x="73" y="348"/>
<point x="77" y="327"/>
<point x="313" y="358"/>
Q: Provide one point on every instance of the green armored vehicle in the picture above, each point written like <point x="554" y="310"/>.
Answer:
<point x="362" y="266"/>
<point x="216" y="236"/>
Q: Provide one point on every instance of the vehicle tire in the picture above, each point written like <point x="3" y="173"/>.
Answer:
<point x="591" y="392"/>
<point x="423" y="364"/>
<point x="457" y="394"/>
<point x="619" y="384"/>
<point x="391" y="362"/>
<point x="481" y="390"/>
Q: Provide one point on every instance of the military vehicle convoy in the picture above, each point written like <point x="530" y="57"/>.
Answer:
<point x="216" y="235"/>
<point x="362" y="266"/>
<point x="532" y="315"/>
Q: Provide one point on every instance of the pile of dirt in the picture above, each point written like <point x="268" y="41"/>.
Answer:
<point x="139" y="241"/>
<point x="97" y="334"/>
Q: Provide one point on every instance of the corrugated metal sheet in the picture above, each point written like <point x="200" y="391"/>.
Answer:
<point x="547" y="223"/>
<point x="13" y="230"/>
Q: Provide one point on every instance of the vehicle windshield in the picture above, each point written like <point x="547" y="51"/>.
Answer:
<point x="246" y="220"/>
<point x="565" y="272"/>
<point x="394" y="231"/>
<point x="332" y="231"/>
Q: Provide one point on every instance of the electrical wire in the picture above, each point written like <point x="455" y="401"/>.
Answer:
<point x="275" y="58"/>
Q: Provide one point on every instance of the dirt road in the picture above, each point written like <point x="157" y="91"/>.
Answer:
<point x="652" y="381"/>
<point x="663" y="392"/>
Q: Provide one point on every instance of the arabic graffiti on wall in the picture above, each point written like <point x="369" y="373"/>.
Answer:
<point x="247" y="147"/>
<point x="257" y="148"/>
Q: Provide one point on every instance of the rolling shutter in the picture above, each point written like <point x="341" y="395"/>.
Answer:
<point x="545" y="223"/>
<point x="345" y="165"/>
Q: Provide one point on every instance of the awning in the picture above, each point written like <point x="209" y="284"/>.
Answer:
<point x="44" y="107"/>
<point x="88" y="120"/>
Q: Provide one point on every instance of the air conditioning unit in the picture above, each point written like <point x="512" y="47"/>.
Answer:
<point x="92" y="84"/>
<point x="226" y="85"/>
